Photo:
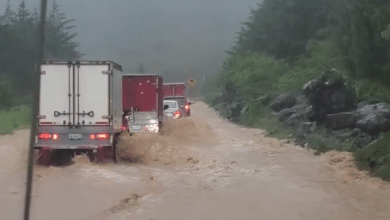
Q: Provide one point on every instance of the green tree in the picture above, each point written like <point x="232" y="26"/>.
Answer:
<point x="282" y="28"/>
<point x="59" y="42"/>
<point x="9" y="16"/>
<point x="18" y="32"/>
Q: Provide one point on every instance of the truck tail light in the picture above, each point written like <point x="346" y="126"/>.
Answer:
<point x="48" y="136"/>
<point x="187" y="107"/>
<point x="103" y="136"/>
<point x="45" y="136"/>
<point x="55" y="136"/>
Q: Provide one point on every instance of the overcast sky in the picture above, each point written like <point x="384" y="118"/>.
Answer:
<point x="170" y="34"/>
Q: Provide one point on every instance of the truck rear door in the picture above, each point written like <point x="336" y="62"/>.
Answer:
<point x="74" y="94"/>
<point x="56" y="99"/>
<point x="92" y="94"/>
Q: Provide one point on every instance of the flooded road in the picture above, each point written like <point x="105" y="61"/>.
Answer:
<point x="201" y="168"/>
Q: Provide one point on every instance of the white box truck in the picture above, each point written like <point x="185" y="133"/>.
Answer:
<point x="80" y="110"/>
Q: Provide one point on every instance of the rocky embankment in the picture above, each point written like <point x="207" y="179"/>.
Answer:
<point x="325" y="115"/>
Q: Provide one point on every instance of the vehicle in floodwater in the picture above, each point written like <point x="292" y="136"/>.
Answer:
<point x="142" y="99"/>
<point x="80" y="110"/>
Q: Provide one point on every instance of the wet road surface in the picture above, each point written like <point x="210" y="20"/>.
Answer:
<point x="206" y="169"/>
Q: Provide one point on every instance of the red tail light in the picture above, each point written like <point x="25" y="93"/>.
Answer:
<point x="92" y="136"/>
<point x="47" y="136"/>
<point x="103" y="136"/>
<point x="44" y="136"/>
<point x="187" y="107"/>
<point x="176" y="114"/>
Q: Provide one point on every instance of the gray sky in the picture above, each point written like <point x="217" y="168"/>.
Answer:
<point x="186" y="34"/>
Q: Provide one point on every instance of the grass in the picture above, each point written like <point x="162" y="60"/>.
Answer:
<point x="14" y="119"/>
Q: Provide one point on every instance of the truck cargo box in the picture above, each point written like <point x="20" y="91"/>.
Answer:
<point x="142" y="98"/>
<point x="80" y="105"/>
<point x="174" y="90"/>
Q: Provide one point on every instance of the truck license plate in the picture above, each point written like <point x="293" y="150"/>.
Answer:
<point x="137" y="127"/>
<point x="75" y="136"/>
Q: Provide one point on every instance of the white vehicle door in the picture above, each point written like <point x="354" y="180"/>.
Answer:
<point x="92" y="94"/>
<point x="56" y="95"/>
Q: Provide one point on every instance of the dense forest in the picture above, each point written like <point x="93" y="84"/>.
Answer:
<point x="18" y="32"/>
<point x="285" y="43"/>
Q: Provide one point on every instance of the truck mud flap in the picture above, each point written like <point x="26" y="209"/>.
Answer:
<point x="104" y="154"/>
<point x="50" y="157"/>
<point x="44" y="157"/>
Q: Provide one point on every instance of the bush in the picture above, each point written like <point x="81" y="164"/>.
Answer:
<point x="258" y="116"/>
<point x="366" y="89"/>
<point x="322" y="144"/>
<point x="252" y="75"/>
<point x="323" y="55"/>
<point x="375" y="157"/>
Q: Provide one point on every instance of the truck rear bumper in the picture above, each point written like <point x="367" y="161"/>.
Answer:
<point x="66" y="139"/>
<point x="137" y="128"/>
<point x="67" y="147"/>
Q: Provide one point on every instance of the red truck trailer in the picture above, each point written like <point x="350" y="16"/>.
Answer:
<point x="142" y="98"/>
<point x="177" y="91"/>
<point x="174" y="90"/>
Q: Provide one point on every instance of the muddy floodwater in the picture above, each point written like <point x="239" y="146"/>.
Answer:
<point x="202" y="167"/>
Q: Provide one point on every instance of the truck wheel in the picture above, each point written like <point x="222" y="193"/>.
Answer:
<point x="115" y="148"/>
<point x="44" y="157"/>
<point x="91" y="155"/>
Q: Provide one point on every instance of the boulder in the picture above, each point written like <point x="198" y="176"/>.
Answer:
<point x="343" y="133"/>
<point x="373" y="118"/>
<point x="265" y="100"/>
<point x="339" y="120"/>
<point x="295" y="119"/>
<point x="306" y="127"/>
<point x="292" y="117"/>
<point x="286" y="113"/>
<point x="244" y="109"/>
<point x="282" y="102"/>
<point x="329" y="94"/>
<point x="369" y="102"/>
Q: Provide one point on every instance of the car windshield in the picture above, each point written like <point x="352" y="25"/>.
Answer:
<point x="171" y="104"/>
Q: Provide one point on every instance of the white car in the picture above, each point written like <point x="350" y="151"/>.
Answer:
<point x="173" y="110"/>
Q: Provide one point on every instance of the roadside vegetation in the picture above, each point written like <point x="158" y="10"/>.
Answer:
<point x="18" y="32"/>
<point x="15" y="118"/>
<point x="287" y="43"/>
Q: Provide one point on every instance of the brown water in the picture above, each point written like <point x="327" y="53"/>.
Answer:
<point x="202" y="167"/>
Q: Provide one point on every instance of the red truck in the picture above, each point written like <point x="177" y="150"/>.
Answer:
<point x="177" y="91"/>
<point x="142" y="98"/>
